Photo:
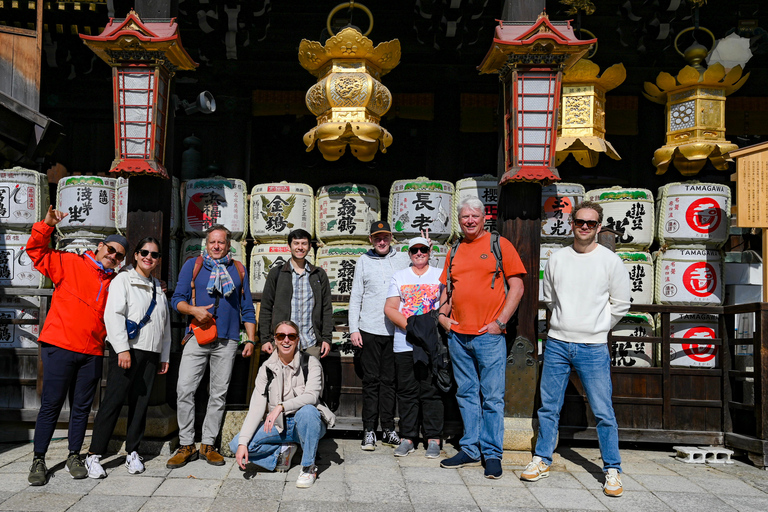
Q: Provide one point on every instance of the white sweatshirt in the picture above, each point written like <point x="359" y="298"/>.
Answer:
<point x="588" y="294"/>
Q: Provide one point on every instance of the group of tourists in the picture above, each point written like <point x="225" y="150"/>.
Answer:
<point x="396" y="304"/>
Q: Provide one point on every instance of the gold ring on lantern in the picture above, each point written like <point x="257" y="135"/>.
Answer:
<point x="351" y="4"/>
<point x="593" y="36"/>
<point x="689" y="29"/>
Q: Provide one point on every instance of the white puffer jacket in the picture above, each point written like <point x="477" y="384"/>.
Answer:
<point x="129" y="297"/>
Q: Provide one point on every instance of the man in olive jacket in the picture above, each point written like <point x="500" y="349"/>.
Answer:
<point x="300" y="292"/>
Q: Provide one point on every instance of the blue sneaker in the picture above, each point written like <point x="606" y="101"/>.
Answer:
<point x="460" y="460"/>
<point x="493" y="468"/>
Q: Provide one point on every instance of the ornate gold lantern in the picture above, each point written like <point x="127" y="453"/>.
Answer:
<point x="582" y="117"/>
<point x="348" y="98"/>
<point x="695" y="112"/>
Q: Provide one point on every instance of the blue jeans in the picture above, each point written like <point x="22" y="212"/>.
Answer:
<point x="479" y="364"/>
<point x="306" y="427"/>
<point x="592" y="362"/>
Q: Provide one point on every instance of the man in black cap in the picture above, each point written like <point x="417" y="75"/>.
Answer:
<point x="72" y="339"/>
<point x="373" y="333"/>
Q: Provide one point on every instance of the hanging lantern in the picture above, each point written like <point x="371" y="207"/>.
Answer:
<point x="144" y="57"/>
<point x="695" y="112"/>
<point x="348" y="98"/>
<point x="581" y="132"/>
<point x="530" y="60"/>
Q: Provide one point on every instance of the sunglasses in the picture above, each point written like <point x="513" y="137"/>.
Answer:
<point x="591" y="224"/>
<point x="144" y="253"/>
<point x="118" y="255"/>
<point x="280" y="336"/>
<point x="421" y="249"/>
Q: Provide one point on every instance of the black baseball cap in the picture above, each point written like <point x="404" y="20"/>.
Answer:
<point x="380" y="226"/>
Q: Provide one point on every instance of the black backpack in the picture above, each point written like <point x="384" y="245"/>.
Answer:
<point x="303" y="362"/>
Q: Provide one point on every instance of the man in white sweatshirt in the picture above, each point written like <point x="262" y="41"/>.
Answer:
<point x="373" y="333"/>
<point x="587" y="288"/>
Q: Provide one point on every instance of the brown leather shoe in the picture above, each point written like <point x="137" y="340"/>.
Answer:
<point x="210" y="454"/>
<point x="183" y="455"/>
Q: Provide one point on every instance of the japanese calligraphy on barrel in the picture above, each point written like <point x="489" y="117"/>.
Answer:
<point x="627" y="210"/>
<point x="16" y="269"/>
<point x="19" y="308"/>
<point x="90" y="204"/>
<point x="693" y="328"/>
<point x="694" y="214"/>
<point x="436" y="257"/>
<point x="420" y="204"/>
<point x="484" y="188"/>
<point x="24" y="198"/>
<point x="634" y="354"/>
<point x="339" y="261"/>
<point x="557" y="202"/>
<point x="689" y="276"/>
<point x="264" y="257"/>
<point x="279" y="208"/>
<point x="341" y="341"/>
<point x="345" y="212"/>
<point x="215" y="200"/>
<point x="639" y="265"/>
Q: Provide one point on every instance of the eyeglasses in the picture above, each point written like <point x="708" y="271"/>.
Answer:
<point x="118" y="255"/>
<point x="591" y="224"/>
<point x="144" y="253"/>
<point x="280" y="336"/>
<point x="421" y="249"/>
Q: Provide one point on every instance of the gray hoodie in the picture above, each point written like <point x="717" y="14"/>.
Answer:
<point x="369" y="291"/>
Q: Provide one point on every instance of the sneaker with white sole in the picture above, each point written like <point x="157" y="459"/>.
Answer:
<point x="307" y="476"/>
<point x="535" y="470"/>
<point x="390" y="438"/>
<point x="287" y="451"/>
<point x="134" y="464"/>
<point x="75" y="467"/>
<point x="93" y="465"/>
<point x="613" y="487"/>
<point x="406" y="447"/>
<point x="433" y="449"/>
<point x="369" y="441"/>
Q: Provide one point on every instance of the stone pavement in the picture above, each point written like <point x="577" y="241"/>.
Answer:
<point x="357" y="481"/>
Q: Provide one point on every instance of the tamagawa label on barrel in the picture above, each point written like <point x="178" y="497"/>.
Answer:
<point x="629" y="211"/>
<point x="689" y="276"/>
<point x="89" y="202"/>
<point x="420" y="204"/>
<point x="557" y="202"/>
<point x="279" y="208"/>
<point x="345" y="212"/>
<point x="635" y="353"/>
<point x="16" y="269"/>
<point x="695" y="329"/>
<point x="23" y="198"/>
<point x="694" y="214"/>
<point x="212" y="201"/>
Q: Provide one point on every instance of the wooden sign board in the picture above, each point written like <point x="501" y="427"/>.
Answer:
<point x="751" y="186"/>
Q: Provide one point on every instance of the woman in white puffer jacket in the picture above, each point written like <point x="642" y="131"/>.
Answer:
<point x="133" y="363"/>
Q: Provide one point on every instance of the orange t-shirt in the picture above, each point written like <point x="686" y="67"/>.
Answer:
<point x="475" y="304"/>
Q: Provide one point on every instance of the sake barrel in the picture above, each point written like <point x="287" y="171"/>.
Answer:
<point x="81" y="245"/>
<point x="339" y="261"/>
<point x="215" y="200"/>
<point x="634" y="354"/>
<point x="545" y="251"/>
<point x="91" y="205"/>
<point x="557" y="202"/>
<point x="630" y="210"/>
<point x="264" y="257"/>
<point x="689" y="276"/>
<point x="279" y="208"/>
<point x="19" y="308"/>
<point x="16" y="269"/>
<point x="696" y="329"/>
<point x="24" y="198"/>
<point x="436" y="258"/>
<point x="694" y="214"/>
<point x="639" y="265"/>
<point x="341" y="341"/>
<point x="194" y="247"/>
<point x="484" y="188"/>
<point x="121" y="205"/>
<point x="421" y="204"/>
<point x="344" y="213"/>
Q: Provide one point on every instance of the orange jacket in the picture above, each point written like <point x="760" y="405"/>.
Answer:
<point x="75" y="319"/>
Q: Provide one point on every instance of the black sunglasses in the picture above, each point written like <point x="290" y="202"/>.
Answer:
<point x="280" y="336"/>
<point x="144" y="253"/>
<point x="421" y="249"/>
<point x="118" y="255"/>
<point x="591" y="224"/>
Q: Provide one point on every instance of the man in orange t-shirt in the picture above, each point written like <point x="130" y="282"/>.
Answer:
<point x="475" y="319"/>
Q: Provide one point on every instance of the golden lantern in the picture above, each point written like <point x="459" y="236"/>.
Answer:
<point x="581" y="131"/>
<point x="695" y="112"/>
<point x="348" y="98"/>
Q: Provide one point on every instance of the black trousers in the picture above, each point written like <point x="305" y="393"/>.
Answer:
<point x="417" y="393"/>
<point x="378" y="364"/>
<point x="135" y="383"/>
<point x="66" y="373"/>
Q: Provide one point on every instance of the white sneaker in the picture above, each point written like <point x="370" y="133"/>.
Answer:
<point x="134" y="464"/>
<point x="307" y="476"/>
<point x="93" y="465"/>
<point x="287" y="452"/>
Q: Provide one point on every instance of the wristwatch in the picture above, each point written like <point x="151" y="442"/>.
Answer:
<point x="501" y="325"/>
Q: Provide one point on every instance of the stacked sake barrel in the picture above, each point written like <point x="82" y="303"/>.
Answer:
<point x="421" y="204"/>
<point x="693" y="225"/>
<point x="486" y="189"/>
<point x="630" y="211"/>
<point x="24" y="200"/>
<point x="557" y="203"/>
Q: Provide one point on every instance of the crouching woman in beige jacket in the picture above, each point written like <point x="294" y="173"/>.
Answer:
<point x="285" y="409"/>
